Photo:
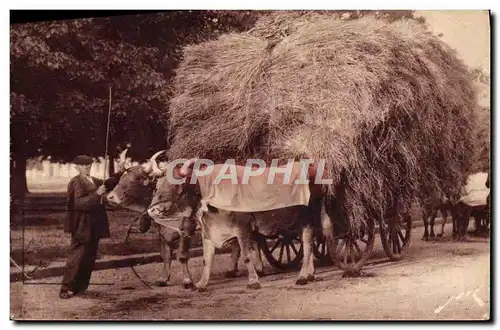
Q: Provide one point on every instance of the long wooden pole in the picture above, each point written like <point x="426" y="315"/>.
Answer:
<point x="107" y="136"/>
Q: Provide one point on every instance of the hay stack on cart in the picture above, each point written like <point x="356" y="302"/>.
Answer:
<point x="482" y="137"/>
<point x="389" y="106"/>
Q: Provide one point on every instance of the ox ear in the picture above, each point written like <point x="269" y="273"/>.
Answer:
<point x="122" y="161"/>
<point x="146" y="182"/>
<point x="147" y="167"/>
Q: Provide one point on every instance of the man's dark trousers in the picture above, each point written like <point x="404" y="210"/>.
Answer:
<point x="81" y="261"/>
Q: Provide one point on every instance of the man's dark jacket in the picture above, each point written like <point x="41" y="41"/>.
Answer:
<point x="86" y="217"/>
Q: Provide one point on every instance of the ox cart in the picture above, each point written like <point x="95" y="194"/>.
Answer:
<point x="284" y="250"/>
<point x="475" y="202"/>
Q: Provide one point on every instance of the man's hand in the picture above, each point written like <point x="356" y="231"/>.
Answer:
<point x="101" y="190"/>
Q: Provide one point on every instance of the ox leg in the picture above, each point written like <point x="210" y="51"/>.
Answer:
<point x="245" y="240"/>
<point x="455" y="220"/>
<point x="188" y="229"/>
<point x="187" y="282"/>
<point x="477" y="224"/>
<point x="208" y="259"/>
<point x="326" y="225"/>
<point x="461" y="215"/>
<point x="432" y="221"/>
<point x="425" y="216"/>
<point x="484" y="217"/>
<point x="477" y="220"/>
<point x="166" y="254"/>
<point x="444" y="213"/>
<point x="235" y="256"/>
<point x="465" y="222"/>
<point x="464" y="213"/>
<point x="306" y="274"/>
<point x="257" y="258"/>
<point x="311" y="270"/>
<point x="481" y="216"/>
<point x="483" y="223"/>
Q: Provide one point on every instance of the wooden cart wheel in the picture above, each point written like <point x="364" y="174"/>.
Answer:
<point x="395" y="234"/>
<point x="282" y="251"/>
<point x="352" y="250"/>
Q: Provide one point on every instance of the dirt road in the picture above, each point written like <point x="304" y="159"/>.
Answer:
<point x="439" y="280"/>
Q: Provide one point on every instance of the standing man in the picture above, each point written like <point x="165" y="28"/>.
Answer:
<point x="87" y="222"/>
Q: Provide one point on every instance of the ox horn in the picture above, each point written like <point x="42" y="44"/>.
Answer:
<point x="156" y="170"/>
<point x="150" y="165"/>
<point x="122" y="160"/>
<point x="187" y="167"/>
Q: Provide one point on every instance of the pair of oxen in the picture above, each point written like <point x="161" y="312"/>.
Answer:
<point x="460" y="213"/>
<point x="146" y="186"/>
<point x="461" y="204"/>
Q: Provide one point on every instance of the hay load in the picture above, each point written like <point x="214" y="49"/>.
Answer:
<point x="482" y="141"/>
<point x="482" y="138"/>
<point x="387" y="105"/>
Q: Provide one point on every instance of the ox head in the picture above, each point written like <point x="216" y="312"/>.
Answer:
<point x="136" y="183"/>
<point x="453" y="194"/>
<point x="171" y="195"/>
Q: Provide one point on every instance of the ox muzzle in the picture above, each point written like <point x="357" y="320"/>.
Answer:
<point x="113" y="199"/>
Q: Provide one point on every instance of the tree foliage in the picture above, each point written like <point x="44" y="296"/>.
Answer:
<point x="61" y="72"/>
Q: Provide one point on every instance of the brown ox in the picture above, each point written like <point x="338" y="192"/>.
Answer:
<point x="469" y="204"/>
<point x="429" y="212"/>
<point x="220" y="225"/>
<point x="134" y="191"/>
<point x="460" y="213"/>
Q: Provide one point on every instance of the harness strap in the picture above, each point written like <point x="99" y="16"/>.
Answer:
<point x="140" y="279"/>
<point x="181" y="232"/>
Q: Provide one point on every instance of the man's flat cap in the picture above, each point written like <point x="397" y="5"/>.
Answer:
<point x="83" y="160"/>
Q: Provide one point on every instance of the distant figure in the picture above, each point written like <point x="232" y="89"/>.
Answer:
<point x="87" y="222"/>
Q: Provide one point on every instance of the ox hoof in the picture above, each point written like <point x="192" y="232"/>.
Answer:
<point x="260" y="273"/>
<point x="351" y="273"/>
<point x="187" y="285"/>
<point x="425" y="238"/>
<point x="440" y="235"/>
<point x="254" y="285"/>
<point x="199" y="287"/>
<point x="310" y="278"/>
<point x="161" y="283"/>
<point x="231" y="273"/>
<point x="301" y="281"/>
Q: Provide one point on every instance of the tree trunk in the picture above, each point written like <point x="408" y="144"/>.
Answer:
<point x="18" y="182"/>
<point x="111" y="168"/>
